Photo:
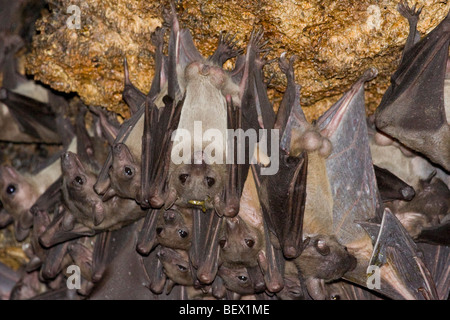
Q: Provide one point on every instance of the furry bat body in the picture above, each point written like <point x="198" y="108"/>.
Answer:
<point x="415" y="109"/>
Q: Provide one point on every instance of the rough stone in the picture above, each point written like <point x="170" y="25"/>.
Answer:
<point x="335" y="42"/>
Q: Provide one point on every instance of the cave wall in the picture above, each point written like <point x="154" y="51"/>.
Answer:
<point x="335" y="41"/>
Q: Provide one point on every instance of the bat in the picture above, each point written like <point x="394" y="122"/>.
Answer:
<point x="204" y="89"/>
<point x="121" y="161"/>
<point x="87" y="214"/>
<point x="413" y="109"/>
<point x="322" y="260"/>
<point x="425" y="216"/>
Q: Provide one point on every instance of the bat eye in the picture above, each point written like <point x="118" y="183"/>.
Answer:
<point x="210" y="181"/>
<point x="181" y="268"/>
<point x="182" y="233"/>
<point x="10" y="189"/>
<point x="159" y="230"/>
<point x="242" y="278"/>
<point x="322" y="247"/>
<point x="222" y="243"/>
<point x="128" y="171"/>
<point x="183" y="178"/>
<point x="250" y="243"/>
<point x="335" y="297"/>
<point x="79" y="180"/>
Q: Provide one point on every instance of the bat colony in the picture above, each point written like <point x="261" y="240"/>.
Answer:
<point x="205" y="192"/>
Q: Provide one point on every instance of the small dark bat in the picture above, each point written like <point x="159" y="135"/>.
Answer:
<point x="283" y="194"/>
<point x="414" y="109"/>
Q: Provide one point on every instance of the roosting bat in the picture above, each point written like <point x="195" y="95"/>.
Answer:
<point x="87" y="214"/>
<point x="121" y="172"/>
<point x="415" y="109"/>
<point x="205" y="89"/>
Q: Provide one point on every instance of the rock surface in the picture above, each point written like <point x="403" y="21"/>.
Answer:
<point x="334" y="40"/>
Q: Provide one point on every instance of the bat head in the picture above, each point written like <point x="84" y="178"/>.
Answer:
<point x="325" y="258"/>
<point x="240" y="243"/>
<point x="176" y="265"/>
<point x="125" y="172"/>
<point x="78" y="189"/>
<point x="174" y="229"/>
<point x="76" y="178"/>
<point x="197" y="184"/>
<point x="16" y="193"/>
<point x="236" y="279"/>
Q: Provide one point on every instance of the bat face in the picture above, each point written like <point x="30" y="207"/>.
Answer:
<point x="174" y="228"/>
<point x="240" y="242"/>
<point x="78" y="182"/>
<point x="197" y="184"/>
<point x="16" y="194"/>
<point x="236" y="279"/>
<point x="125" y="172"/>
<point x="176" y="265"/>
<point x="429" y="208"/>
<point x="325" y="258"/>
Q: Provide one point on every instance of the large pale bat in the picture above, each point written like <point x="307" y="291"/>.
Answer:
<point x="205" y="90"/>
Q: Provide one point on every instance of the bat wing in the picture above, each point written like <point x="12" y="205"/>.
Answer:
<point x="35" y="118"/>
<point x="437" y="260"/>
<point x="133" y="97"/>
<point x="126" y="275"/>
<point x="413" y="108"/>
<point x="403" y="272"/>
<point x="350" y="173"/>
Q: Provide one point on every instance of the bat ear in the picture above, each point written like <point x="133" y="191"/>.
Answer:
<point x="322" y="247"/>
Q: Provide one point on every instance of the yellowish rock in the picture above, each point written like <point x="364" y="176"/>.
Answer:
<point x="334" y="40"/>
